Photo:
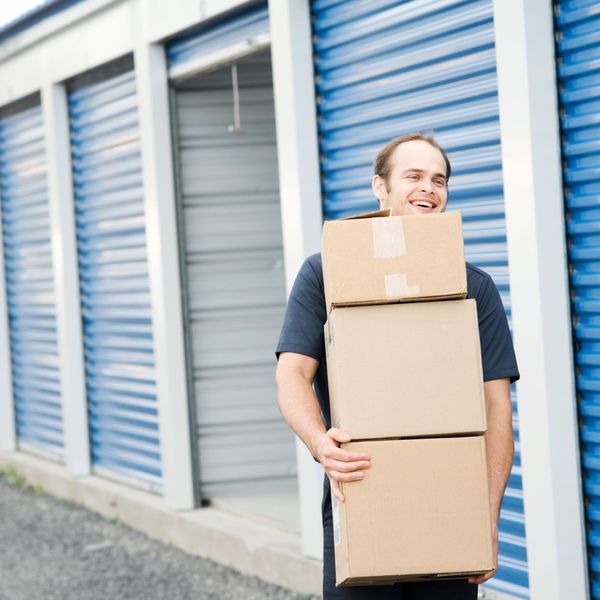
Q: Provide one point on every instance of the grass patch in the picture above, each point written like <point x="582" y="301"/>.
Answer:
<point x="11" y="477"/>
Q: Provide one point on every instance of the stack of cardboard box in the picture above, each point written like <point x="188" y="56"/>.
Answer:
<point x="405" y="381"/>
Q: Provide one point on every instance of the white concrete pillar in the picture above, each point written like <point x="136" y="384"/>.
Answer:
<point x="300" y="193"/>
<point x="165" y="286"/>
<point x="539" y="287"/>
<point x="66" y="279"/>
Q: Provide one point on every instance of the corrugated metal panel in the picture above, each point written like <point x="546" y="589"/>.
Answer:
<point x="30" y="15"/>
<point x="30" y="281"/>
<point x="111" y="237"/>
<point x="578" y="55"/>
<point x="385" y="68"/>
<point x="235" y="280"/>
<point x="244" y="26"/>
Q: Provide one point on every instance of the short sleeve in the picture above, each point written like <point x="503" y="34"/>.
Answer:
<point x="497" y="352"/>
<point x="305" y="316"/>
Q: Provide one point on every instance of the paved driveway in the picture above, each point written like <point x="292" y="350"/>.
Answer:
<point x="55" y="550"/>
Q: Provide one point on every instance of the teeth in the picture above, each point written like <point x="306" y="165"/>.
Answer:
<point x="424" y="204"/>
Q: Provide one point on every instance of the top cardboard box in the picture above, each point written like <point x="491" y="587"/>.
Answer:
<point x="377" y="259"/>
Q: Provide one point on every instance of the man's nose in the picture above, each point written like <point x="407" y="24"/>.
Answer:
<point x="426" y="185"/>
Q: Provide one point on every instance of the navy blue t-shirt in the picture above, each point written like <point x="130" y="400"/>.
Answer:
<point x="306" y="314"/>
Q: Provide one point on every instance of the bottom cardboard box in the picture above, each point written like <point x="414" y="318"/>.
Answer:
<point x="421" y="512"/>
<point x="362" y="581"/>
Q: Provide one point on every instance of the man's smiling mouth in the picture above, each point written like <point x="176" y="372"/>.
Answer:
<point x="427" y="204"/>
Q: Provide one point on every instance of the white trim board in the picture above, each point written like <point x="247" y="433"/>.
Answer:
<point x="300" y="192"/>
<point x="61" y="205"/>
<point x="163" y="270"/>
<point x="225" y="56"/>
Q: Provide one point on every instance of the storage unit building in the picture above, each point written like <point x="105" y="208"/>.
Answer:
<point x="191" y="220"/>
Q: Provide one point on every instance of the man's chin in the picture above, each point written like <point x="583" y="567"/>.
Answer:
<point x="409" y="209"/>
<point x="418" y="210"/>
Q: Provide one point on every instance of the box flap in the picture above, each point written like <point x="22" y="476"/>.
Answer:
<point x="384" y="212"/>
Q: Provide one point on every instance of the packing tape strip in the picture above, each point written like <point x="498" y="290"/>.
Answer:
<point x="388" y="237"/>
<point x="396" y="286"/>
<point x="335" y="510"/>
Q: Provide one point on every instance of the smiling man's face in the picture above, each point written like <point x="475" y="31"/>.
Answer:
<point x="417" y="183"/>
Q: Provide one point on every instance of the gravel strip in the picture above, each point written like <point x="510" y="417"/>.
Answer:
<point x="55" y="550"/>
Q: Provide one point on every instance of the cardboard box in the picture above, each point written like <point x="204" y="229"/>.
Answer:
<point x="377" y="259"/>
<point x="405" y="370"/>
<point x="422" y="511"/>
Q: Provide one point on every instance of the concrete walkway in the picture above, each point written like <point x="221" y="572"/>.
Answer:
<point x="53" y="549"/>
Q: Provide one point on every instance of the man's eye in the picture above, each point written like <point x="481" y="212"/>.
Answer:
<point x="413" y="177"/>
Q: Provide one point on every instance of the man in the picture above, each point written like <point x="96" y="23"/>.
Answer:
<point x="411" y="177"/>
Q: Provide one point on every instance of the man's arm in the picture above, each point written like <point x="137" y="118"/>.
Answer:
<point x="499" y="444"/>
<point x="300" y="408"/>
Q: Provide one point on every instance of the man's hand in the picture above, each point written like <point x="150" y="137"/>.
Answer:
<point x="483" y="578"/>
<point x="340" y="465"/>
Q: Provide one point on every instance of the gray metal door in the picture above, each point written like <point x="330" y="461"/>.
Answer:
<point x="229" y="196"/>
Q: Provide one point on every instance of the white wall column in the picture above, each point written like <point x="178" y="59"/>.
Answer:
<point x="8" y="435"/>
<point x="66" y="278"/>
<point x="300" y="193"/>
<point x="540" y="301"/>
<point x="165" y="286"/>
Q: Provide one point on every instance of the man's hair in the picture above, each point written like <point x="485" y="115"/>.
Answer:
<point x="381" y="164"/>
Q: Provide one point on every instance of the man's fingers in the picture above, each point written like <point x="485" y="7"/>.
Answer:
<point x="345" y="467"/>
<point x="338" y="435"/>
<point x="339" y="476"/>
<point x="336" y="453"/>
<point x="345" y="456"/>
<point x="336" y="491"/>
<point x="482" y="578"/>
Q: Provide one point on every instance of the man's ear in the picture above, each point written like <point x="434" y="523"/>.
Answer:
<point x="379" y="188"/>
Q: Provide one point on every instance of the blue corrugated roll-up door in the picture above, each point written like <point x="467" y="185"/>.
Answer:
<point x="30" y="282"/>
<point x="578" y="64"/>
<point x="114" y="285"/>
<point x="220" y="43"/>
<point x="386" y="68"/>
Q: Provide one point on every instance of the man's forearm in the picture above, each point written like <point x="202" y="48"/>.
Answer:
<point x="499" y="443"/>
<point x="300" y="408"/>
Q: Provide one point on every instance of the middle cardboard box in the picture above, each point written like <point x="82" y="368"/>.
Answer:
<point x="405" y="370"/>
